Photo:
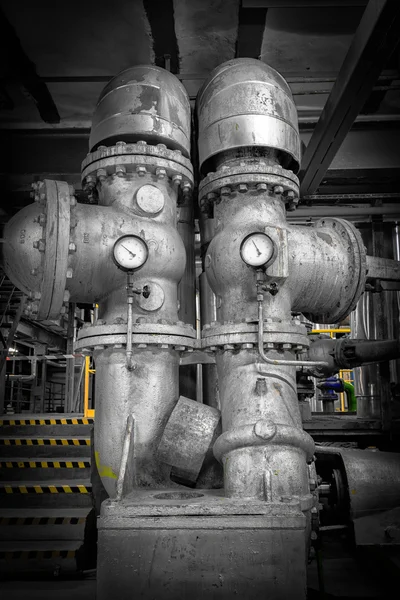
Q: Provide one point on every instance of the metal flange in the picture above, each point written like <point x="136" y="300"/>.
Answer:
<point x="281" y="336"/>
<point x="249" y="177"/>
<point x="179" y="336"/>
<point x="139" y="158"/>
<point x="55" y="195"/>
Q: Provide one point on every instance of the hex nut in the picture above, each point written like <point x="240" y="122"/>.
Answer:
<point x="243" y="187"/>
<point x="161" y="173"/>
<point x="71" y="248"/>
<point x="261" y="187"/>
<point x="141" y="171"/>
<point x="225" y="191"/>
<point x="177" y="180"/>
<point x="69" y="273"/>
<point x="278" y="189"/>
<point x="120" y="170"/>
<point x="186" y="188"/>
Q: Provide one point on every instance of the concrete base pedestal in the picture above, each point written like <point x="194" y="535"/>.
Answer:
<point x="178" y="544"/>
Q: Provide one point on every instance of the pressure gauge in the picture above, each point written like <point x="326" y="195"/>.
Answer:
<point x="257" y="249"/>
<point x="130" y="252"/>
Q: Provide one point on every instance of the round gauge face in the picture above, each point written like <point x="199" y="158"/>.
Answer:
<point x="257" y="249"/>
<point x="130" y="252"/>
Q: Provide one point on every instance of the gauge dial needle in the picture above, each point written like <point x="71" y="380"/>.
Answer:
<point x="255" y="246"/>
<point x="127" y="249"/>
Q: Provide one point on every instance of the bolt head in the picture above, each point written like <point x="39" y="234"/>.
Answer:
<point x="141" y="171"/>
<point x="66" y="296"/>
<point x="161" y="173"/>
<point x="71" y="248"/>
<point x="41" y="246"/>
<point x="291" y="194"/>
<point x="225" y="191"/>
<point x="211" y="196"/>
<point x="36" y="295"/>
<point x="243" y="187"/>
<point x="69" y="273"/>
<point x="120" y="144"/>
<point x="161" y="147"/>
<point x="186" y="188"/>
<point x="120" y="171"/>
<point x="42" y="219"/>
<point x="278" y="189"/>
<point x="262" y="187"/>
<point x="177" y="180"/>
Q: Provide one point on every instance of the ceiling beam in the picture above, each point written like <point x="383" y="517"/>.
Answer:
<point x="250" y="32"/>
<point x="374" y="41"/>
<point x="162" y="24"/>
<point x="25" y="71"/>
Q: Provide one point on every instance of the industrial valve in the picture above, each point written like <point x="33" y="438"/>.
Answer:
<point x="123" y="251"/>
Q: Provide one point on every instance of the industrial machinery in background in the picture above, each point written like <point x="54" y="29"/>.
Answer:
<point x="186" y="480"/>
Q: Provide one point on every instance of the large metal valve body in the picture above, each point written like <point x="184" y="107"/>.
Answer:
<point x="158" y="539"/>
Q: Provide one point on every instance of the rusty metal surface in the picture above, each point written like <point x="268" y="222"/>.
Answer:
<point x="143" y="102"/>
<point x="188" y="436"/>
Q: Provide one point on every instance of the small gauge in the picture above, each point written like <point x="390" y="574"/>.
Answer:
<point x="130" y="252"/>
<point x="257" y="249"/>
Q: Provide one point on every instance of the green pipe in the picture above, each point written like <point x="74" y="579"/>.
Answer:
<point x="351" y="397"/>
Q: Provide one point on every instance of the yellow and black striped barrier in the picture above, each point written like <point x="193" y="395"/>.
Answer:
<point x="45" y="464"/>
<point x="38" y="554"/>
<point x="71" y="421"/>
<point x="45" y="489"/>
<point x="44" y="442"/>
<point x="8" y="521"/>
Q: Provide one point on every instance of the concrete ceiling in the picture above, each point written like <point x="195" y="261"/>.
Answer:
<point x="89" y="40"/>
<point x="69" y="50"/>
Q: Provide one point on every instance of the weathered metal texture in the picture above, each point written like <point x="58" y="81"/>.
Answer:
<point x="233" y="282"/>
<point x="36" y="249"/>
<point x="327" y="269"/>
<point x="260" y="397"/>
<point x="149" y="393"/>
<point x="188" y="436"/>
<point x="245" y="103"/>
<point x="373" y="479"/>
<point x="185" y="543"/>
<point x="143" y="103"/>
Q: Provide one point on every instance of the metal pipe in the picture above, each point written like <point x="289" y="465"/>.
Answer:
<point x="272" y="361"/>
<point x="30" y="377"/>
<point x="129" y="322"/>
